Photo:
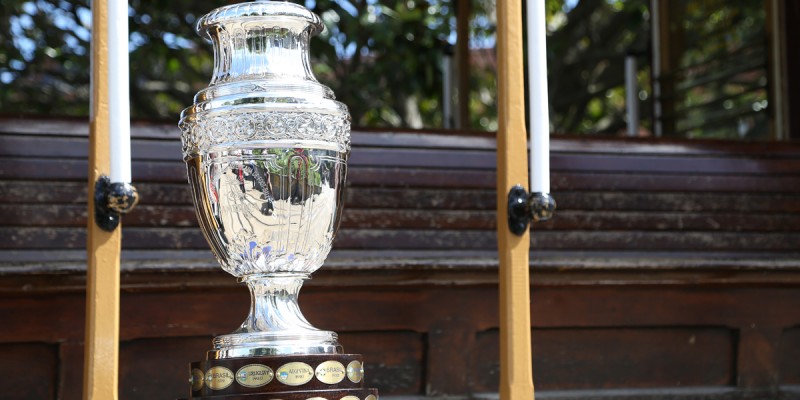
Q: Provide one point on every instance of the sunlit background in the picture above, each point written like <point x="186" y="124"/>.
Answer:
<point x="387" y="61"/>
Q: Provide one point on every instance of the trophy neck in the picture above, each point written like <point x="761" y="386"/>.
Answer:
<point x="244" y="50"/>
<point x="260" y="39"/>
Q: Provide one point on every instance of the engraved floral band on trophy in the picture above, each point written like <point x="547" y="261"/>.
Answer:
<point x="266" y="150"/>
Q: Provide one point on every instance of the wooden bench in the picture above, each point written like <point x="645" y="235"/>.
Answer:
<point x="671" y="269"/>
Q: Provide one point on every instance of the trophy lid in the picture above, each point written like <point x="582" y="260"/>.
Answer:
<point x="259" y="12"/>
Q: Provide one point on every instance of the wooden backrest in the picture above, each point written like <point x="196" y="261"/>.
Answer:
<point x="434" y="192"/>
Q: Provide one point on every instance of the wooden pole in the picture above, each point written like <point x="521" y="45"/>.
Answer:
<point x="100" y="372"/>
<point x="516" y="376"/>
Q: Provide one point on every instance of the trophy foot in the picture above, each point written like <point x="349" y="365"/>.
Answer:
<point x="238" y="345"/>
<point x="275" y="325"/>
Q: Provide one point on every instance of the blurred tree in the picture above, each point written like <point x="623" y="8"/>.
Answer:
<point x="716" y="74"/>
<point x="382" y="58"/>
<point x="44" y="59"/>
<point x="586" y="48"/>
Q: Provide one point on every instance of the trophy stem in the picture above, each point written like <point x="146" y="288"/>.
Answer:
<point x="275" y="324"/>
<point x="273" y="304"/>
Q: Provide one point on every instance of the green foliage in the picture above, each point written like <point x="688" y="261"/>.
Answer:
<point x="384" y="59"/>
<point x="44" y="60"/>
<point x="586" y="50"/>
<point x="720" y="77"/>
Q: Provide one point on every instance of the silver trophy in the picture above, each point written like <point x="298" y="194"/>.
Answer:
<point x="266" y="150"/>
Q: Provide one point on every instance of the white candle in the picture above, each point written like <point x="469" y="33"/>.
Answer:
<point x="537" y="98"/>
<point x="118" y="92"/>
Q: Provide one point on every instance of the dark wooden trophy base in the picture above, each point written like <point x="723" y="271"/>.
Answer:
<point x="286" y="377"/>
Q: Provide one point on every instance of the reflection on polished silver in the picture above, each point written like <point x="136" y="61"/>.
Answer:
<point x="112" y="200"/>
<point x="266" y="150"/>
<point x="122" y="197"/>
<point x="524" y="208"/>
<point x="542" y="206"/>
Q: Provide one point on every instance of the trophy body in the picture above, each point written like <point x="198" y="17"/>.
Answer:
<point x="266" y="150"/>
<point x="270" y="213"/>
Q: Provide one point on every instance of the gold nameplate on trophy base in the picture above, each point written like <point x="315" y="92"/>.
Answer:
<point x="330" y="372"/>
<point x="254" y="375"/>
<point x="218" y="378"/>
<point x="295" y="373"/>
